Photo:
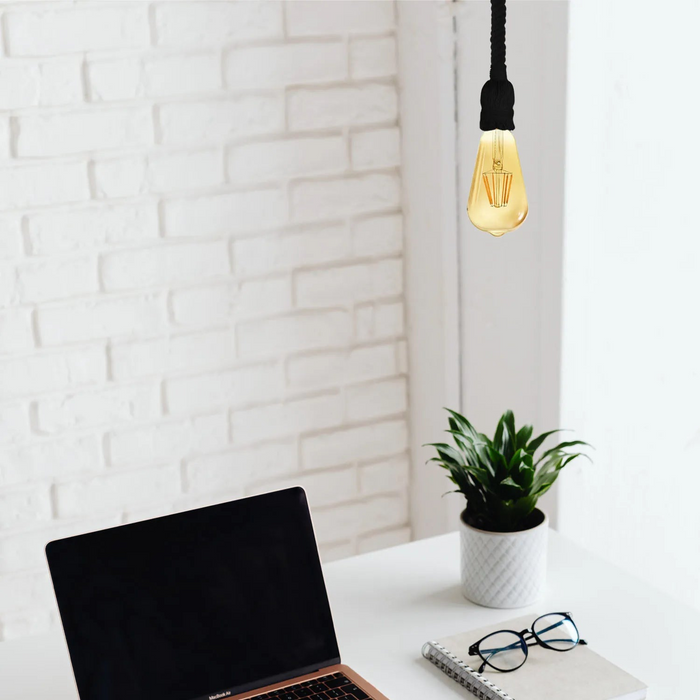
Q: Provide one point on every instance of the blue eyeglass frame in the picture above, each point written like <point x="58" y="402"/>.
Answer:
<point x="528" y="638"/>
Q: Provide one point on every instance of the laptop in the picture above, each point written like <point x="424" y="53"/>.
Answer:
<point x="226" y="601"/>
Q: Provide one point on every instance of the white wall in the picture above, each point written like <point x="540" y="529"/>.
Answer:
<point x="511" y="286"/>
<point x="201" y="287"/>
<point x="632" y="284"/>
<point x="429" y="131"/>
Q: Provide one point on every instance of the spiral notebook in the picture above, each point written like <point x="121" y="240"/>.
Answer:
<point x="580" y="674"/>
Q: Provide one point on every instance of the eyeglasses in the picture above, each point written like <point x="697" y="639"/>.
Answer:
<point x="507" y="650"/>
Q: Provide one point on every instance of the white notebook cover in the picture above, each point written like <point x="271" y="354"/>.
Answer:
<point x="579" y="674"/>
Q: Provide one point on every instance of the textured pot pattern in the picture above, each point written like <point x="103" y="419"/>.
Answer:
<point x="503" y="569"/>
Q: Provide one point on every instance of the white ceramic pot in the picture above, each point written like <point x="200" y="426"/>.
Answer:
<point x="504" y="569"/>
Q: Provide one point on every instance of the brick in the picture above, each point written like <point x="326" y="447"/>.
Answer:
<point x="349" y="284"/>
<point x="46" y="33"/>
<point x="110" y="406"/>
<point x="284" y="159"/>
<point x="383" y="540"/>
<point x="14" y="424"/>
<point x="57" y="278"/>
<point x="186" y="501"/>
<point x="46" y="183"/>
<point x="40" y="84"/>
<point x="15" y="331"/>
<point x="50" y="459"/>
<point x="10" y="238"/>
<point x="202" y="307"/>
<point x="385" y="476"/>
<point x="52" y="372"/>
<point x="304" y="331"/>
<point x="25" y="592"/>
<point x="333" y="551"/>
<point x="322" y="489"/>
<point x="216" y="304"/>
<point x="85" y="130"/>
<point x="309" y="18"/>
<point x="26" y="623"/>
<point x="371" y="362"/>
<point x="209" y="433"/>
<point x="101" y="318"/>
<point x="213" y="121"/>
<point x="382" y="320"/>
<point x="380" y="235"/>
<point x="167" y="442"/>
<point x="19" y="85"/>
<point x="278" y="252"/>
<point x="376" y="399"/>
<point x="231" y="212"/>
<point x="200" y="23"/>
<point x="22" y="506"/>
<point x="352" y="105"/>
<point x="185" y="170"/>
<point x="225" y="389"/>
<point x="91" y="227"/>
<point x="112" y="492"/>
<point x="60" y="82"/>
<point x="402" y="356"/>
<point x="119" y="177"/>
<point x="325" y="369"/>
<point x="163" y="265"/>
<point x="262" y="297"/>
<point x="262" y="67"/>
<point x="380" y="148"/>
<point x="153" y="76"/>
<point x="5" y="138"/>
<point x="357" y="443"/>
<point x="8" y="285"/>
<point x="283" y="419"/>
<point x="176" y="353"/>
<point x="115" y="79"/>
<point x="24" y="550"/>
<point x="373" y="57"/>
<point x="240" y="467"/>
<point x="321" y="199"/>
<point x="154" y="444"/>
<point x="352" y="519"/>
<point x="181" y="75"/>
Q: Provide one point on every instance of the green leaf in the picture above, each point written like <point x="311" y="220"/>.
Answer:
<point x="463" y="422"/>
<point x="498" y="435"/>
<point x="510" y="436"/>
<point x="516" y="459"/>
<point x="559" y="449"/>
<point x="524" y="434"/>
<point x="537" y="442"/>
<point x="501" y="479"/>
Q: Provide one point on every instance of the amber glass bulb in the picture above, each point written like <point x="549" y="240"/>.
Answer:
<point x="497" y="201"/>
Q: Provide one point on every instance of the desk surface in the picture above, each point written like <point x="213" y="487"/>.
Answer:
<point x="386" y="604"/>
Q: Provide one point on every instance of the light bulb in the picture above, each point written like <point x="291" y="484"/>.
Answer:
<point x="497" y="200"/>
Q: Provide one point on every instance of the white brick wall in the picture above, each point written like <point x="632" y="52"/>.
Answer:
<point x="201" y="289"/>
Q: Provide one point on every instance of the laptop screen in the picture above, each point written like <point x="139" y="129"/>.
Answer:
<point x="206" y="603"/>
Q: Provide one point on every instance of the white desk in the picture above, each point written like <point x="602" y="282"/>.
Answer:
<point x="386" y="604"/>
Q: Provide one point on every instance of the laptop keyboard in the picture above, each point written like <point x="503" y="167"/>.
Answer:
<point x="335" y="686"/>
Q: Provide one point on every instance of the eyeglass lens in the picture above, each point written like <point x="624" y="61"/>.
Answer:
<point x="504" y="651"/>
<point x="556" y="631"/>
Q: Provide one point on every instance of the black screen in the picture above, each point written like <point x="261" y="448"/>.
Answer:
<point x="225" y="598"/>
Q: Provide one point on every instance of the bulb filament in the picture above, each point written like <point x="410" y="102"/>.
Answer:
<point x="497" y="182"/>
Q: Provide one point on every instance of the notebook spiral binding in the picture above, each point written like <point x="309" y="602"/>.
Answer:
<point x="467" y="677"/>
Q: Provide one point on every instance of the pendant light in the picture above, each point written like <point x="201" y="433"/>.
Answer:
<point x="497" y="202"/>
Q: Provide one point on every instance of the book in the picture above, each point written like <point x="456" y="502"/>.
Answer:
<point x="579" y="674"/>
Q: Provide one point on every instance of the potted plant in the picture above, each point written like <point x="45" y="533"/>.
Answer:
<point x="503" y="533"/>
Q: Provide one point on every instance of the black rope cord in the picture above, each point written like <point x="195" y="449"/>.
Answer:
<point x="497" y="95"/>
